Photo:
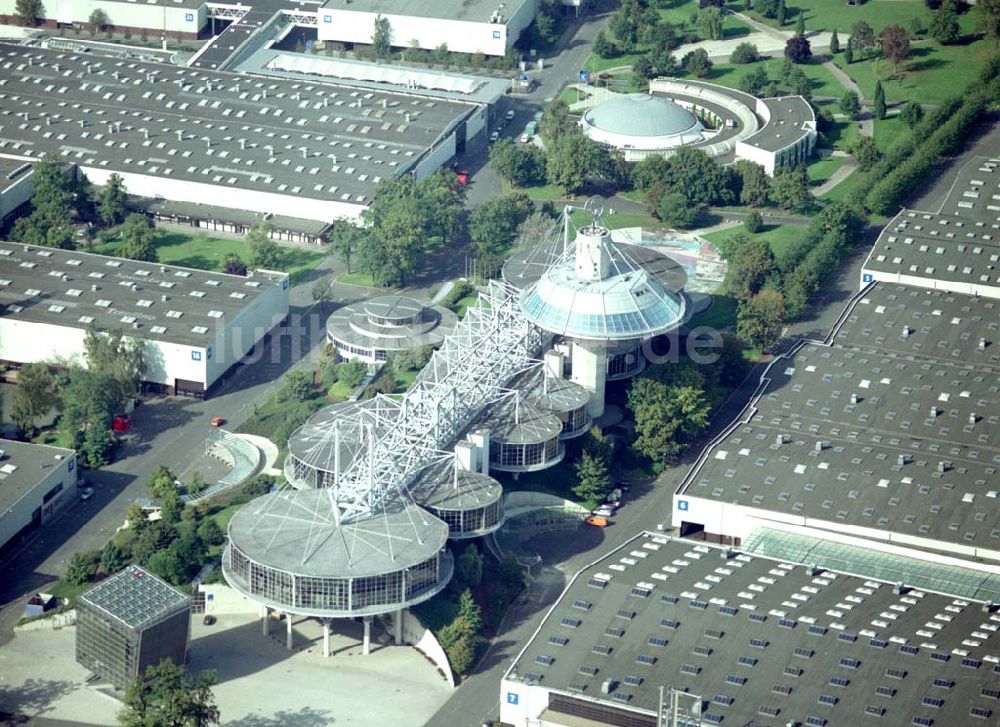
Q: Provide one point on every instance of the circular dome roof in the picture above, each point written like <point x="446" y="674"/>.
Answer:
<point x="641" y="115"/>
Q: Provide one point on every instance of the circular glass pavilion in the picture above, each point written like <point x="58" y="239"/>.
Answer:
<point x="373" y="329"/>
<point x="641" y="121"/>
<point x="287" y="552"/>
<point x="470" y="503"/>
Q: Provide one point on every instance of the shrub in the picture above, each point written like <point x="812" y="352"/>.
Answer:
<point x="744" y="53"/>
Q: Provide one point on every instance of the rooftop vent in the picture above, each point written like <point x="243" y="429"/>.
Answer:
<point x="983" y="343"/>
<point x="906" y="331"/>
<point x="608" y="685"/>
<point x="855" y="398"/>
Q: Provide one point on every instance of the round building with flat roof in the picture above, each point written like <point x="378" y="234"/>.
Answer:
<point x="641" y="121"/>
<point x="323" y="446"/>
<point x="523" y="438"/>
<point x="374" y="329"/>
<point x="469" y="503"/>
<point x="287" y="552"/>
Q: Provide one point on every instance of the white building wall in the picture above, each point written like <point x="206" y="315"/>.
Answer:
<point x="19" y="192"/>
<point x="436" y="157"/>
<point x="739" y="521"/>
<point x="219" y="195"/>
<point x="18" y="516"/>
<point x="249" y="326"/>
<point x="121" y="13"/>
<point x="475" y="124"/>
<point x="916" y="281"/>
<point x="756" y="154"/>
<point x="31" y="342"/>
<point x="461" y="36"/>
<point x="521" y="704"/>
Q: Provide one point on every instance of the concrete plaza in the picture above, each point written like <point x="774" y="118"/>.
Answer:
<point x="260" y="683"/>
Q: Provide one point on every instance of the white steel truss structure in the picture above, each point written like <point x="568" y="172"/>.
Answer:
<point x="226" y="12"/>
<point x="377" y="449"/>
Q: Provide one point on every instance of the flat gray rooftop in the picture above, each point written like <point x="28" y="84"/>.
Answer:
<point x="789" y="115"/>
<point x="895" y="426"/>
<point x="148" y="300"/>
<point x="11" y="171"/>
<point x="763" y="641"/>
<point x="465" y="10"/>
<point x="135" y="597"/>
<point x="23" y="466"/>
<point x="284" y="137"/>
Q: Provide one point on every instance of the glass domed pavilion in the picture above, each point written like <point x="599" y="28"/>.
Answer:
<point x="641" y="121"/>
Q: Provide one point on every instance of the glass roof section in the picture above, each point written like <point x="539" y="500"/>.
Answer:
<point x="871" y="563"/>
<point x="135" y="597"/>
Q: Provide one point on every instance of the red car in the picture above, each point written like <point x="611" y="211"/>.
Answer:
<point x="218" y="421"/>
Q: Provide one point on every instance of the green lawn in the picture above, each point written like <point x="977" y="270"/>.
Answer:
<point x="597" y="64"/>
<point x="821" y="80"/>
<point x="932" y="74"/>
<point x="822" y="169"/>
<point x="721" y="315"/>
<point x="544" y="192"/>
<point x="778" y="236"/>
<point x="617" y="220"/>
<point x="357" y="278"/>
<point x="828" y="15"/>
<point x="840" y="134"/>
<point x="196" y="250"/>
<point x="888" y="131"/>
<point x="463" y="304"/>
<point x="679" y="15"/>
<point x="54" y="438"/>
<point x="843" y="189"/>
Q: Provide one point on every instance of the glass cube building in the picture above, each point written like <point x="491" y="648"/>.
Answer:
<point x="130" y="622"/>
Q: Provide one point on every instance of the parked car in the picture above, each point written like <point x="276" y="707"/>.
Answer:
<point x="463" y="176"/>
<point x="525" y="138"/>
<point x="597" y="521"/>
<point x="82" y="484"/>
<point x="615" y="497"/>
<point x="494" y="136"/>
<point x="87" y="494"/>
<point x="218" y="421"/>
<point x="605" y="510"/>
<point x="509" y="115"/>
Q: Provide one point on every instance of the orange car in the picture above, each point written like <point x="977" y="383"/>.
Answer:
<point x="218" y="421"/>
<point x="597" y="521"/>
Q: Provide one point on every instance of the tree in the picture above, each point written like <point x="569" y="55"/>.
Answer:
<point x="989" y="16"/>
<point x="912" y="114"/>
<point x="744" y="53"/>
<point x="462" y="654"/>
<point x="139" y="238"/>
<point x="111" y="353"/>
<point x="113" y="558"/>
<point x="232" y="264"/>
<point x="210" y="531"/>
<point x="755" y="81"/>
<point x="790" y="187"/>
<point x="352" y="373"/>
<point x="593" y="477"/>
<point x="759" y="320"/>
<point x="862" y="36"/>
<point x="83" y="567"/>
<point x="603" y="47"/>
<point x="693" y="173"/>
<point x="555" y="121"/>
<point x="799" y="83"/>
<point x="264" y="252"/>
<point x="698" y="63"/>
<point x="944" y="26"/>
<point x="111" y="202"/>
<point x="469" y="613"/>
<point x="35" y="395"/>
<point x="52" y="207"/>
<point x="167" y="696"/>
<point x="195" y="484"/>
<point x="797" y="49"/>
<point x="750" y="267"/>
<point x="572" y="158"/>
<point x="522" y="165"/>
<point x="98" y="20"/>
<point x="493" y="226"/>
<point x="676" y="210"/>
<point x="649" y="171"/>
<point x="754" y="222"/>
<point x="895" y="44"/>
<point x="755" y="185"/>
<point x="834" y="42"/>
<point x="866" y="152"/>
<point x="666" y="416"/>
<point x="171" y="510"/>
<point x="26" y="12"/>
<point x="800" y="22"/>
<point x="850" y="104"/>
<point x="733" y="365"/>
<point x="382" y="37"/>
<point x="849" y="52"/>
<point x="344" y="236"/>
<point x="781" y="13"/>
<point x="878" y="104"/>
<point x="469" y="568"/>
<point x="767" y="8"/>
<point x="709" y="22"/>
<point x="298" y="386"/>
